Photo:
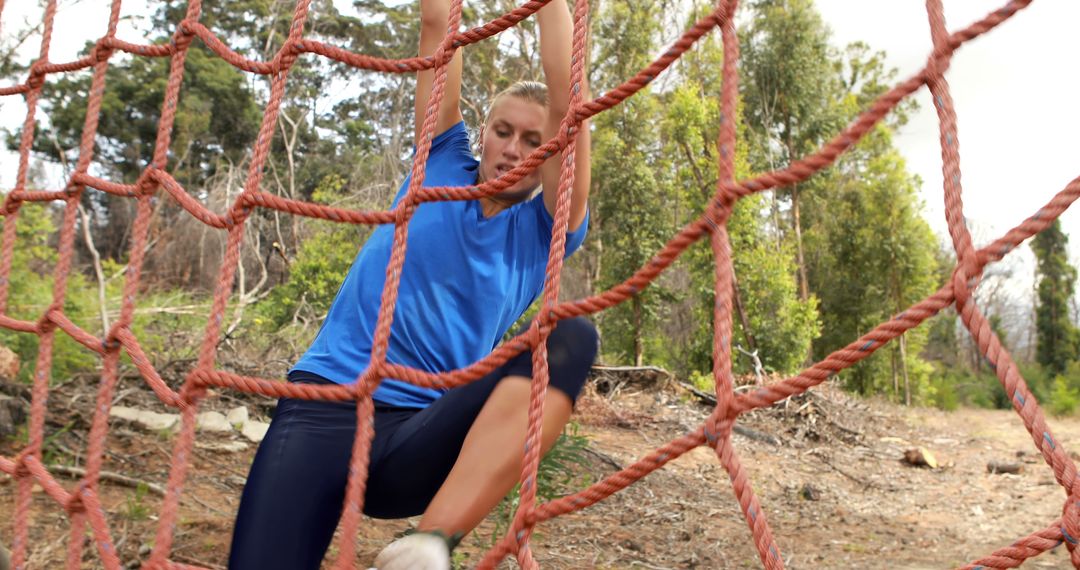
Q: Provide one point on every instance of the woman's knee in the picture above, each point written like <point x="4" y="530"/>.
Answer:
<point x="574" y="339"/>
<point x="572" y="348"/>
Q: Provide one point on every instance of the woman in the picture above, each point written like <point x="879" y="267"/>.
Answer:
<point x="471" y="270"/>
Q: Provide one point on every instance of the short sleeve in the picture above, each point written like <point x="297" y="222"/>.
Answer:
<point x="448" y="148"/>
<point x="545" y="224"/>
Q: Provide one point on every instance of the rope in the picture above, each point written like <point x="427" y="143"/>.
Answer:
<point x="81" y="502"/>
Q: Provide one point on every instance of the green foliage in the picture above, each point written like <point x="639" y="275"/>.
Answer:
<point x="1058" y="338"/>
<point x="30" y="294"/>
<point x="784" y="326"/>
<point x="631" y="193"/>
<point x="703" y="381"/>
<point x="216" y="116"/>
<point x="1063" y="398"/>
<point x="875" y="256"/>
<point x="559" y="470"/>
<point x="790" y="82"/>
<point x="942" y="392"/>
<point x="135" y="507"/>
<point x="317" y="271"/>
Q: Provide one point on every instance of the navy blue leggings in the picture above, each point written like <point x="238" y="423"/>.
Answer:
<point x="294" y="494"/>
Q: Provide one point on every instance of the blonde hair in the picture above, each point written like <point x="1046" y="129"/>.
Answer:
<point x="531" y="91"/>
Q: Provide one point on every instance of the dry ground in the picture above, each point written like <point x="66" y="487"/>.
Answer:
<point x="835" y="490"/>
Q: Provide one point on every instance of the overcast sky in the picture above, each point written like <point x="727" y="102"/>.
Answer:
<point x="1017" y="94"/>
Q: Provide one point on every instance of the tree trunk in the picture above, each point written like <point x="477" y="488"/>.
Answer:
<point x="903" y="370"/>
<point x="804" y="285"/>
<point x="895" y="376"/>
<point x="638" y="344"/>
<point x="751" y="343"/>
<point x="777" y="228"/>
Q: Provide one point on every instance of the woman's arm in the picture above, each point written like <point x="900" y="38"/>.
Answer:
<point x="434" y="18"/>
<point x="556" y="36"/>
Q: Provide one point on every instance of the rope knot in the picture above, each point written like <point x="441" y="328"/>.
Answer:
<point x="102" y="51"/>
<point x="718" y="428"/>
<point x="73" y="190"/>
<point x="184" y="35"/>
<point x="46" y="324"/>
<point x="111" y="341"/>
<point x="21" y="470"/>
<point x="12" y="203"/>
<point x="286" y="57"/>
<point x="965" y="279"/>
<point x="37" y="75"/>
<point x="194" y="388"/>
<point x="147" y="182"/>
<point x="75" y="502"/>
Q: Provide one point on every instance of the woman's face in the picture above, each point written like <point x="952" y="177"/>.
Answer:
<point x="514" y="130"/>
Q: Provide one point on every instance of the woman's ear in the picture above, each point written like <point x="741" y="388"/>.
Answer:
<point x="480" y="141"/>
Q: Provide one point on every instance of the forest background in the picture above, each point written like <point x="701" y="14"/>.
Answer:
<point x="817" y="264"/>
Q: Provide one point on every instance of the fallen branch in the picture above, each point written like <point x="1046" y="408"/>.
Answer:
<point x="705" y="397"/>
<point x="111" y="477"/>
<point x="631" y="369"/>
<point x="756" y="435"/>
<point x="1003" y="467"/>
<point x="605" y="458"/>
<point x="737" y="428"/>
<point x="868" y="484"/>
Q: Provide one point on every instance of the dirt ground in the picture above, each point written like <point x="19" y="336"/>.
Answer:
<point x="832" y="483"/>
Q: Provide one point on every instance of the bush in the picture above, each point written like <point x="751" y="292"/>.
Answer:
<point x="1063" y="398"/>
<point x="558" y="470"/>
<point x="31" y="293"/>
<point x="320" y="266"/>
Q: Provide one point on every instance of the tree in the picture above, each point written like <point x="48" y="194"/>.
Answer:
<point x="876" y="256"/>
<point x="1058" y="338"/>
<point x="771" y="322"/>
<point x="630" y="215"/>
<point x="790" y="87"/>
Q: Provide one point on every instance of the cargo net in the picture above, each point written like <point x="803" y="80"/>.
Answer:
<point x="82" y="501"/>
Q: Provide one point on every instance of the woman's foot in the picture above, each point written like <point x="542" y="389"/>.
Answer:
<point x="417" y="551"/>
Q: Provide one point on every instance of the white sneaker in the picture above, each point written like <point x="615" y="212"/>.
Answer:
<point x="418" y="551"/>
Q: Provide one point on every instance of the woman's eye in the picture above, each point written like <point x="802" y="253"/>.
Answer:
<point x="533" y="142"/>
<point x="502" y="134"/>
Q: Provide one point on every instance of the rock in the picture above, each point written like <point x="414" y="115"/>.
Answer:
<point x="13" y="413"/>
<point x="255" y="431"/>
<point x="5" y="560"/>
<point x="238" y="416"/>
<point x="149" y="420"/>
<point x="212" y="421"/>
<point x="920" y="457"/>
<point x="810" y="492"/>
<point x="1004" y="467"/>
<point x="9" y="364"/>
<point x="228" y="446"/>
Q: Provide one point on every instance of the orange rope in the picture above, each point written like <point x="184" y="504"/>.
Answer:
<point x="81" y="502"/>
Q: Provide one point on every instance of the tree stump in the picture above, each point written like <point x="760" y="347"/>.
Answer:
<point x="12" y="414"/>
<point x="14" y="398"/>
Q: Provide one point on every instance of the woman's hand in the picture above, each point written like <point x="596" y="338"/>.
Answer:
<point x="556" y="39"/>
<point x="434" y="20"/>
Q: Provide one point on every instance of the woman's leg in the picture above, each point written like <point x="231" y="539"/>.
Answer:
<point x="490" y="461"/>
<point x="455" y="460"/>
<point x="294" y="493"/>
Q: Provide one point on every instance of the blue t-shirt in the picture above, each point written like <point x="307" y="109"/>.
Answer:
<point x="465" y="281"/>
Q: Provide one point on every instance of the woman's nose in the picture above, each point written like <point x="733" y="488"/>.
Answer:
<point x="513" y="150"/>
